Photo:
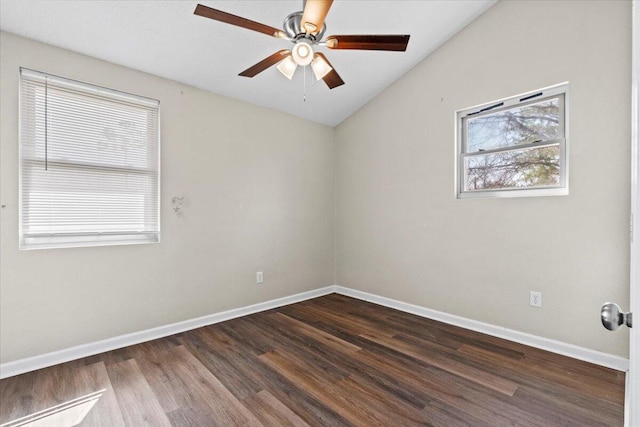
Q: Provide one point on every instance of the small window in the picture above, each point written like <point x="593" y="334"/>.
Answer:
<point x="89" y="164"/>
<point x="514" y="147"/>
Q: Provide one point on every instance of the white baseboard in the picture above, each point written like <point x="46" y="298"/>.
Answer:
<point x="49" y="359"/>
<point x="574" y="351"/>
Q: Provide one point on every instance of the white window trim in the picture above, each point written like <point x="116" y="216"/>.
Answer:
<point x="85" y="239"/>
<point x="562" y="189"/>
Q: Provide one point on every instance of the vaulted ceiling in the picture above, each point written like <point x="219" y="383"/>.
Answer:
<point x="166" y="39"/>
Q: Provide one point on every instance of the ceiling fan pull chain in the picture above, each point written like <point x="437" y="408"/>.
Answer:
<point x="304" y="84"/>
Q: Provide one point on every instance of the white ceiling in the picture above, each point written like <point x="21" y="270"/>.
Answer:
<point x="166" y="39"/>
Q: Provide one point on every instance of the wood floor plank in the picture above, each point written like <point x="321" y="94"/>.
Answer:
<point x="319" y="388"/>
<point x="137" y="401"/>
<point x="156" y="362"/>
<point x="294" y="345"/>
<point x="562" y="412"/>
<point x="481" y="377"/>
<point x="328" y="361"/>
<point x="106" y="411"/>
<point x="441" y="415"/>
<point x="327" y="339"/>
<point x="190" y="416"/>
<point x="271" y="412"/>
<point x="17" y="397"/>
<point x="424" y="331"/>
<point x="352" y="324"/>
<point x="350" y="364"/>
<point x="458" y="394"/>
<point x="222" y="405"/>
<point x="54" y="387"/>
<point x="363" y="406"/>
<point x="218" y="352"/>
<point x="382" y="407"/>
<point x="472" y="399"/>
<point x="240" y="358"/>
<point x="539" y="374"/>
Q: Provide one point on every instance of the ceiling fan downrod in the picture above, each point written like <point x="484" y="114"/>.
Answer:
<point x="294" y="30"/>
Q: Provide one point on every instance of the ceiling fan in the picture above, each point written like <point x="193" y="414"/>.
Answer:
<point x="305" y="30"/>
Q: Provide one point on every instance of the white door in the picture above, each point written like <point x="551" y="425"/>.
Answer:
<point x="632" y="412"/>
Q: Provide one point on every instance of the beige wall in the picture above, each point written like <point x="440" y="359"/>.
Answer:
<point x="402" y="234"/>
<point x="259" y="201"/>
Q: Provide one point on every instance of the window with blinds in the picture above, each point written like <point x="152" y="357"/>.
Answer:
<point x="89" y="164"/>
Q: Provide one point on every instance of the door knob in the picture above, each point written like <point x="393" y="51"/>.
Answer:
<point x="613" y="317"/>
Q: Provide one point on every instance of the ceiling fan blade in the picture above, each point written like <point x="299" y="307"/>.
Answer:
<point x="332" y="79"/>
<point x="314" y="14"/>
<point x="238" y="21"/>
<point x="265" y="63"/>
<point x="395" y="42"/>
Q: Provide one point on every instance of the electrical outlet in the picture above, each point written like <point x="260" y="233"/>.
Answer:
<point x="259" y="277"/>
<point x="535" y="299"/>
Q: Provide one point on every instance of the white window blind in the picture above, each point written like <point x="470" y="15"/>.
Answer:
<point x="89" y="164"/>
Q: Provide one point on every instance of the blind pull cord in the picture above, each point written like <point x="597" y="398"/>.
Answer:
<point x="46" y="124"/>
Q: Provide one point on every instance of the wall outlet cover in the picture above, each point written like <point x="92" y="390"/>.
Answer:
<point x="535" y="299"/>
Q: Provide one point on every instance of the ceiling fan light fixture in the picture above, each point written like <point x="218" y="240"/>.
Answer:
<point x="302" y="53"/>
<point x="287" y="67"/>
<point x="320" y="67"/>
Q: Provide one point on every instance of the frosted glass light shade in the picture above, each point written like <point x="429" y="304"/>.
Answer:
<point x="287" y="67"/>
<point x="320" y="67"/>
<point x="302" y="53"/>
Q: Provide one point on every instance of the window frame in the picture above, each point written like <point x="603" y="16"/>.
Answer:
<point x="560" y="91"/>
<point x="86" y="239"/>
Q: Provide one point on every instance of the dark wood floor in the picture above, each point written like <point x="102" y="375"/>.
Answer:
<point x="329" y="361"/>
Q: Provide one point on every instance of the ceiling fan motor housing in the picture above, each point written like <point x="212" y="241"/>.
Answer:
<point x="292" y="27"/>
